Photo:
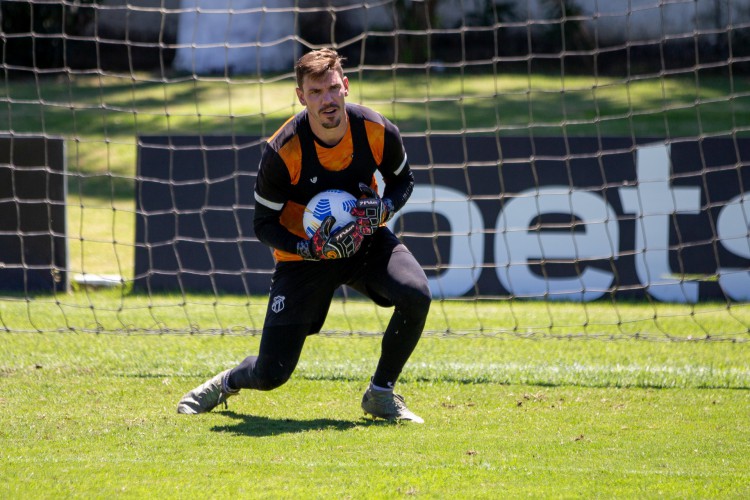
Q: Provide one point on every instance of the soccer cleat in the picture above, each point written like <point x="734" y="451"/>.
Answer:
<point x="206" y="396"/>
<point x="387" y="405"/>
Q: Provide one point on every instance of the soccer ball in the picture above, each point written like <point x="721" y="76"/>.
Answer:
<point x="332" y="202"/>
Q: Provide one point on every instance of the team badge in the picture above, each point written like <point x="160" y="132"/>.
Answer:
<point x="278" y="304"/>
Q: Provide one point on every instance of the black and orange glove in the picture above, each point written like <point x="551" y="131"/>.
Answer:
<point x="371" y="211"/>
<point x="325" y="244"/>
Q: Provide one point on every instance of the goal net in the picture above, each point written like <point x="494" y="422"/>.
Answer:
<point x="582" y="167"/>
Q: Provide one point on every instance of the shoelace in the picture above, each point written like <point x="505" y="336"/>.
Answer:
<point x="397" y="402"/>
<point x="400" y="404"/>
<point x="223" y="396"/>
<point x="225" y="393"/>
<point x="221" y="399"/>
<point x="226" y="405"/>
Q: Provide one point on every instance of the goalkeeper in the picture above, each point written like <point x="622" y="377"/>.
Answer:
<point x="330" y="145"/>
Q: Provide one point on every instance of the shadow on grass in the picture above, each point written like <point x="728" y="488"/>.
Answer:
<point x="256" y="426"/>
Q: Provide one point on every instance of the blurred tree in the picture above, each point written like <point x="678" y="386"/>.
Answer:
<point x="32" y="34"/>
<point x="418" y="16"/>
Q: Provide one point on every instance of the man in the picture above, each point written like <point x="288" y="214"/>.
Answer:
<point x="330" y="145"/>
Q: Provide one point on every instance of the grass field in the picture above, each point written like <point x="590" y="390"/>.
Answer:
<point x="85" y="416"/>
<point x="563" y="413"/>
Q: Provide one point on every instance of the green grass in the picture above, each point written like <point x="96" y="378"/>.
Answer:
<point x="125" y="312"/>
<point x="101" y="116"/>
<point x="94" y="416"/>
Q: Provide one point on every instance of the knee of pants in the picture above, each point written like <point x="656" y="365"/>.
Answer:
<point x="416" y="301"/>
<point x="271" y="377"/>
<point x="269" y="384"/>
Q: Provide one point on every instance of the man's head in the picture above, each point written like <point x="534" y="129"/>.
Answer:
<point x="322" y="88"/>
<point x="316" y="64"/>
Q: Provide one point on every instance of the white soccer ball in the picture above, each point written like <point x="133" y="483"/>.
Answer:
<point x="332" y="202"/>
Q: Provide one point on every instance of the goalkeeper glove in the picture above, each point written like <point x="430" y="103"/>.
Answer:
<point x="326" y="245"/>
<point x="371" y="211"/>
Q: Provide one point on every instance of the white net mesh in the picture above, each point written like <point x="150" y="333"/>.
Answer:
<point x="581" y="166"/>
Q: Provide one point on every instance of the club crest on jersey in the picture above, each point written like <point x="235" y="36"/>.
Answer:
<point x="277" y="305"/>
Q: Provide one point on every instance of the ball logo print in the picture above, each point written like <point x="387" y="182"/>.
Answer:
<point x="331" y="202"/>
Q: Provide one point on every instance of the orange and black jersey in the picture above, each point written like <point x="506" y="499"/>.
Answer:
<point x="295" y="167"/>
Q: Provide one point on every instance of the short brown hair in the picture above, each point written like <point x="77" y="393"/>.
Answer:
<point x="316" y="63"/>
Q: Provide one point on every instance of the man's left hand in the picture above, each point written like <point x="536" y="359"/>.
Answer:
<point x="371" y="211"/>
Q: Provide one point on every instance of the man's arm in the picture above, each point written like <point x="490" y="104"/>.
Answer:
<point x="270" y="193"/>
<point x="398" y="188"/>
<point x="399" y="180"/>
<point x="270" y="231"/>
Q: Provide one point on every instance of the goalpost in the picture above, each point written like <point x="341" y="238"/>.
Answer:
<point x="581" y="166"/>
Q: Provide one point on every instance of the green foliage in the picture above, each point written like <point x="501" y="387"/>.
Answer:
<point x="34" y="33"/>
<point x="567" y="31"/>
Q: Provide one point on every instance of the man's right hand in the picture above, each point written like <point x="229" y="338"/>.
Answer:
<point x="326" y="245"/>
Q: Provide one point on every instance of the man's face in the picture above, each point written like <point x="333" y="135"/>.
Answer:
<point x="324" y="98"/>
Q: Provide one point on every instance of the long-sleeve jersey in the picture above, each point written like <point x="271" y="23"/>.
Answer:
<point x="295" y="166"/>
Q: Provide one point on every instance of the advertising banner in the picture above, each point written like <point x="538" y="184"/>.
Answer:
<point x="33" y="248"/>
<point x="551" y="218"/>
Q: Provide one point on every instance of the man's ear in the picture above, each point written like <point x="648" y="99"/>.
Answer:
<point x="301" y="96"/>
<point x="346" y="86"/>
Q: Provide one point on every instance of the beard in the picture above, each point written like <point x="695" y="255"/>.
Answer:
<point x="328" y="121"/>
<point x="331" y="124"/>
